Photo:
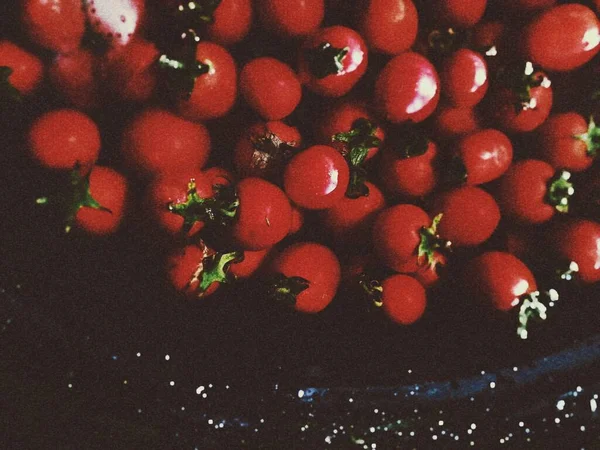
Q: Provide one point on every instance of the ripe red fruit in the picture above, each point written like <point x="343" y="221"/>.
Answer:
<point x="270" y="87"/>
<point x="251" y="262"/>
<point x="460" y="13"/>
<point x="408" y="168"/>
<point x="264" y="149"/>
<point x="130" y="70"/>
<point x="27" y="70"/>
<point x="159" y="142"/>
<point x="568" y="141"/>
<point x="332" y="60"/>
<point x="264" y="214"/>
<point x="404" y="299"/>
<point x="485" y="155"/>
<point x="57" y="25"/>
<point x="531" y="191"/>
<point x="117" y="21"/>
<point x="231" y="22"/>
<point x="75" y="76"/>
<point x="215" y="90"/>
<point x="464" y="78"/>
<point x="404" y="237"/>
<point x="342" y="118"/>
<point x="64" y="139"/>
<point x="451" y="121"/>
<point x="109" y="189"/>
<point x="350" y="219"/>
<point x="407" y="89"/>
<point x="499" y="278"/>
<point x="563" y="37"/>
<point x="307" y="276"/>
<point x="470" y="216"/>
<point x="168" y="192"/>
<point x="197" y="270"/>
<point x="578" y="240"/>
<point x="291" y="18"/>
<point x="390" y="26"/>
<point x="316" y="178"/>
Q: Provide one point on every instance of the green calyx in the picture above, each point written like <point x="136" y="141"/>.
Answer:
<point x="521" y="79"/>
<point x="8" y="93"/>
<point x="591" y="138"/>
<point x="285" y="290"/>
<point x="325" y="60"/>
<point x="220" y="209"/>
<point x="76" y="195"/>
<point x="560" y="190"/>
<point x="372" y="289"/>
<point x="182" y="69"/>
<point x="358" y="141"/>
<point x="196" y="12"/>
<point x="533" y="308"/>
<point x="214" y="268"/>
<point x="430" y="242"/>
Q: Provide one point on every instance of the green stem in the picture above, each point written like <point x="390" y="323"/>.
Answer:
<point x="533" y="308"/>
<point x="591" y="138"/>
<point x="430" y="242"/>
<point x="560" y="190"/>
<point x="219" y="209"/>
<point x="286" y="289"/>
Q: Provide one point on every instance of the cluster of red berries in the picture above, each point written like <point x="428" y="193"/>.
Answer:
<point x="375" y="141"/>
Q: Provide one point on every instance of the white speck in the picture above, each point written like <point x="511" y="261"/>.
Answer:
<point x="579" y="389"/>
<point x="335" y="431"/>
<point x="412" y="433"/>
<point x="593" y="405"/>
<point x="124" y="381"/>
<point x="483" y="372"/>
<point x="328" y="439"/>
<point x="434" y="437"/>
<point x="560" y="405"/>
<point x="227" y="386"/>
<point x="440" y="423"/>
<point x="469" y="431"/>
<point x="199" y="389"/>
<point x="456" y="438"/>
<point x="300" y="393"/>
<point x="473" y="426"/>
<point x="596" y="396"/>
<point x="409" y="370"/>
<point x="373" y="445"/>
<point x="372" y="429"/>
<point x="167" y="357"/>
<point x="472" y="443"/>
<point x="527" y="430"/>
<point x="183" y="408"/>
<point x="375" y="410"/>
<point x="204" y="395"/>
<point x="521" y="424"/>
<point x="582" y="428"/>
<point x="138" y="354"/>
<point x="210" y="421"/>
<point x="515" y="369"/>
<point x="502" y="441"/>
<point x="172" y="383"/>
<point x="262" y="420"/>
<point x="210" y="385"/>
<point x="70" y="385"/>
<point x="350" y="399"/>
<point x="139" y="410"/>
<point x="492" y="385"/>
<point x="221" y="425"/>
<point x="556" y="420"/>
